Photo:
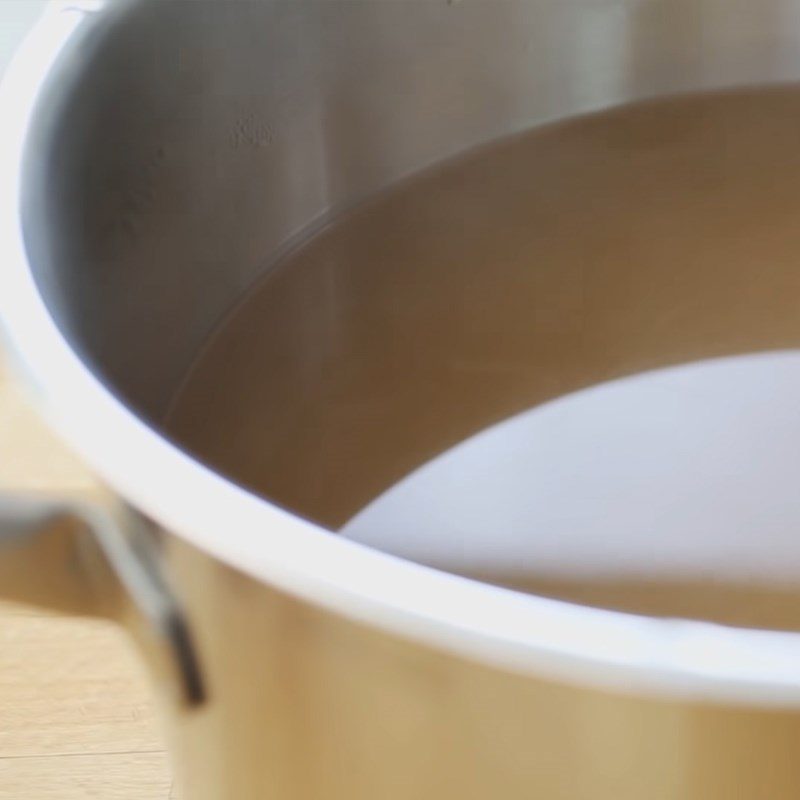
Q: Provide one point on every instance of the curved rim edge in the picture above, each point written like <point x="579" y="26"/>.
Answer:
<point x="548" y="639"/>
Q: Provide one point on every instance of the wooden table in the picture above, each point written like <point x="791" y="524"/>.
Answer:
<point x="76" y="720"/>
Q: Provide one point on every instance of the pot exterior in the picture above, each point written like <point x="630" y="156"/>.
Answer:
<point x="306" y="705"/>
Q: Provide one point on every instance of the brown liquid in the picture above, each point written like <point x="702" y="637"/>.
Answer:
<point x="655" y="234"/>
<point x="733" y="602"/>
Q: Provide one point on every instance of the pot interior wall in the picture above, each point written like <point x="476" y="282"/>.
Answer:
<point x="179" y="147"/>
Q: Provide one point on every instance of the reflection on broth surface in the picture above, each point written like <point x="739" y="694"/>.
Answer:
<point x="672" y="492"/>
<point x="576" y="253"/>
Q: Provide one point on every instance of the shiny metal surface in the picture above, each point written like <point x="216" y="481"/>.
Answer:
<point x="172" y="150"/>
<point x="182" y="145"/>
<point x="175" y="150"/>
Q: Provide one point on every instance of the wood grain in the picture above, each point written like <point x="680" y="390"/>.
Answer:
<point x="112" y="776"/>
<point x="76" y="719"/>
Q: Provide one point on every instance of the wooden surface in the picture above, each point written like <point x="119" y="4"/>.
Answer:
<point x="75" y="714"/>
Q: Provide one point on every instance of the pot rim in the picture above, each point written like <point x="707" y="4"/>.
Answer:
<point x="665" y="658"/>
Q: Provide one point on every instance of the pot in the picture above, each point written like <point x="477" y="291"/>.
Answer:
<point x="158" y="156"/>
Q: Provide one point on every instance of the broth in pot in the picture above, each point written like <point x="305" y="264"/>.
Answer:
<point x="394" y="376"/>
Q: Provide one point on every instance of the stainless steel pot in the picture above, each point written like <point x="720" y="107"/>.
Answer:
<point x="156" y="157"/>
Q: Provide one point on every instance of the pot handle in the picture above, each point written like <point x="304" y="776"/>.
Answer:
<point x="81" y="559"/>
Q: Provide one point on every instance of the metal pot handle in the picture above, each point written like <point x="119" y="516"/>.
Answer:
<point x="86" y="560"/>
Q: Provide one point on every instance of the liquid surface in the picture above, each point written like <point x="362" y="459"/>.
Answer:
<point x="577" y="253"/>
